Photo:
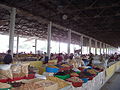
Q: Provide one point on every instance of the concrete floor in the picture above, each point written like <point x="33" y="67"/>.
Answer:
<point x="113" y="83"/>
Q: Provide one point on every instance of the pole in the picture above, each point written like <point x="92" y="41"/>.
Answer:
<point x="100" y="47"/>
<point x="59" y="46"/>
<point x="90" y="45"/>
<point x="12" y="28"/>
<point x="49" y="39"/>
<point x="103" y="48"/>
<point x="81" y="43"/>
<point x="96" y="46"/>
<point x="106" y="49"/>
<point x="69" y="41"/>
<point x="17" y="44"/>
<point x="35" y="46"/>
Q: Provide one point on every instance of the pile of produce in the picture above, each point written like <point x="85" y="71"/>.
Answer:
<point x="48" y="85"/>
<point x="76" y="82"/>
<point x="51" y="66"/>
<point x="14" y="71"/>
<point x="4" y="85"/>
<point x="69" y="71"/>
<point x="34" y="85"/>
<point x="28" y="86"/>
<point x="98" y="68"/>
<point x="61" y="83"/>
<point x="74" y="79"/>
<point x="92" y="71"/>
<point x="62" y="67"/>
<point x="45" y="83"/>
<point x="30" y="80"/>
<point x="74" y="74"/>
<point x="65" y="65"/>
<point x="62" y="75"/>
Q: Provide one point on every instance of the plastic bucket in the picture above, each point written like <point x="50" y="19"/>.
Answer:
<point x="52" y="70"/>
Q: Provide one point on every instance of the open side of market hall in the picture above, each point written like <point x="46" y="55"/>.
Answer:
<point x="59" y="44"/>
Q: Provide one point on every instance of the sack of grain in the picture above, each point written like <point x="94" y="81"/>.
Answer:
<point x="6" y="73"/>
<point x="25" y="68"/>
<point x="47" y="85"/>
<point x="17" y="70"/>
<point x="29" y="86"/>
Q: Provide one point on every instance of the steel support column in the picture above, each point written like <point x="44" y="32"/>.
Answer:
<point x="81" y="43"/>
<point x="106" y="49"/>
<point x="103" y="48"/>
<point x="17" y="44"/>
<point x="35" y="46"/>
<point x="12" y="28"/>
<point x="96" y="46"/>
<point x="100" y="47"/>
<point x="49" y="39"/>
<point x="90" y="45"/>
<point x="69" y="40"/>
<point x="59" y="46"/>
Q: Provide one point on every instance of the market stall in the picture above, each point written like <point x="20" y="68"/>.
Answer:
<point x="63" y="77"/>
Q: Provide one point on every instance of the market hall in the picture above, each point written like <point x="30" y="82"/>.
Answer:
<point x="65" y="44"/>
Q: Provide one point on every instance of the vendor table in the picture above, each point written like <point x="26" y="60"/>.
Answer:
<point x="94" y="84"/>
<point x="100" y="79"/>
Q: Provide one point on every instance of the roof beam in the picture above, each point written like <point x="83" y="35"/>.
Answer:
<point x="102" y="7"/>
<point x="44" y="21"/>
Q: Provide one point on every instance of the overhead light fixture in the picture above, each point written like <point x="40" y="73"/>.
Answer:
<point x="64" y="17"/>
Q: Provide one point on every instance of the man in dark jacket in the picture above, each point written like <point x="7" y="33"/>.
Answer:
<point x="91" y="59"/>
<point x="8" y="58"/>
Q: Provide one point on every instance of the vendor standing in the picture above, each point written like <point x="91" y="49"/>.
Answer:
<point x="90" y="58"/>
<point x="60" y="58"/>
<point x="8" y="58"/>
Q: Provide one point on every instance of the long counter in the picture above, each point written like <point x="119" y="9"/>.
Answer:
<point x="100" y="79"/>
<point x="97" y="82"/>
<point x="94" y="84"/>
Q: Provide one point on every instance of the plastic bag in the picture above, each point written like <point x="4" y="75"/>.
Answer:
<point x="5" y="66"/>
<point x="40" y="76"/>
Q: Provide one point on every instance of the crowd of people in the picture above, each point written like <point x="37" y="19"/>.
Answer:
<point x="88" y="59"/>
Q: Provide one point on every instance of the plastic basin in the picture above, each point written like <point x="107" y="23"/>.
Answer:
<point x="52" y="70"/>
<point x="63" y="76"/>
<point x="85" y="80"/>
<point x="77" y="84"/>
